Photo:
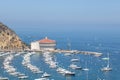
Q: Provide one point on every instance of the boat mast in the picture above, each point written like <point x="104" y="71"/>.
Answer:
<point x="69" y="45"/>
<point x="108" y="62"/>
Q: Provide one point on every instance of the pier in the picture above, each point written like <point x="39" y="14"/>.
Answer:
<point x="97" y="54"/>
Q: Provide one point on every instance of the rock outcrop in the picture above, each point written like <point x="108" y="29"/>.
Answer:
<point x="9" y="39"/>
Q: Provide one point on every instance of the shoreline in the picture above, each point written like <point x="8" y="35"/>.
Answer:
<point x="97" y="54"/>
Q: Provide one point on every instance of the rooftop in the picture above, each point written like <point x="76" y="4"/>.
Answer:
<point x="46" y="40"/>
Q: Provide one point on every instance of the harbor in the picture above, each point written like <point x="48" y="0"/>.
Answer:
<point x="59" y="40"/>
<point x="73" y="64"/>
<point x="46" y="62"/>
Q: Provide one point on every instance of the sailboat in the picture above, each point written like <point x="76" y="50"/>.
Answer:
<point x="85" y="69"/>
<point x="68" y="48"/>
<point x="69" y="45"/>
<point x="107" y="68"/>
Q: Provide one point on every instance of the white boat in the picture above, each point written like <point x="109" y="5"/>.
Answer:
<point x="23" y="77"/>
<point x="46" y="75"/>
<point x="107" y="68"/>
<point x="67" y="54"/>
<point x="64" y="71"/>
<point x="69" y="73"/>
<point x="38" y="72"/>
<point x="73" y="66"/>
<point x="105" y="58"/>
<point x="74" y="60"/>
<point x="85" y="69"/>
<point x="100" y="79"/>
<point x="41" y="79"/>
<point x="97" y="54"/>
<point x="4" y="78"/>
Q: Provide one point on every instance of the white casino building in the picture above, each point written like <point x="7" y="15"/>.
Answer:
<point x="44" y="44"/>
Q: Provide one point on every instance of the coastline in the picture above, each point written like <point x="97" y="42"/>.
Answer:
<point x="97" y="54"/>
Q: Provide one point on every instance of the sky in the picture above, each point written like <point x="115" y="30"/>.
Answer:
<point x="58" y="14"/>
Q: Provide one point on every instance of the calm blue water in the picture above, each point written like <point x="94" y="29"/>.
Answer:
<point x="99" y="40"/>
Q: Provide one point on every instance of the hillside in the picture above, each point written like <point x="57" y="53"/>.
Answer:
<point x="9" y="40"/>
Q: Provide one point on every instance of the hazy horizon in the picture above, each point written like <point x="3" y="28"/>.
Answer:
<point x="63" y="14"/>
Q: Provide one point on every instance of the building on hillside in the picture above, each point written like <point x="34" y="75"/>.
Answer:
<point x="35" y="45"/>
<point x="44" y="44"/>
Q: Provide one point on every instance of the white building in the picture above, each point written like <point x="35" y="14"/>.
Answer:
<point x="44" y="44"/>
<point x="35" y="45"/>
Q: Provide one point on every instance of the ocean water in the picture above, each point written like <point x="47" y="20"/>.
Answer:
<point x="98" y="40"/>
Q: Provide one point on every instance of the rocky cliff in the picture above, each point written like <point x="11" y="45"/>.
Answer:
<point x="9" y="39"/>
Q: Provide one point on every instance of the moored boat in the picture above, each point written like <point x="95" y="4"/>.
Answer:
<point x="42" y="79"/>
<point x="4" y="78"/>
<point x="74" y="60"/>
<point x="46" y="75"/>
<point x="73" y="66"/>
<point x="107" y="68"/>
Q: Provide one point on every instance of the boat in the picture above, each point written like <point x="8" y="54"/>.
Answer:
<point x="69" y="73"/>
<point x="107" y="68"/>
<point x="68" y="54"/>
<point x="97" y="54"/>
<point x="69" y="45"/>
<point x="100" y="79"/>
<point x="4" y="78"/>
<point x="85" y="69"/>
<point x="41" y="79"/>
<point x="73" y="66"/>
<point x="64" y="71"/>
<point x="74" y="60"/>
<point x="46" y="75"/>
<point x="105" y="58"/>
<point x="38" y="72"/>
<point x="23" y="77"/>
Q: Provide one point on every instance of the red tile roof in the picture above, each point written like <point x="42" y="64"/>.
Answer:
<point x="46" y="40"/>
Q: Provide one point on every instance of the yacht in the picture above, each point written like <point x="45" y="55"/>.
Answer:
<point x="46" y="75"/>
<point x="64" y="71"/>
<point x="73" y="66"/>
<point x="23" y="77"/>
<point x="97" y="54"/>
<point x="107" y="68"/>
<point x="100" y="79"/>
<point x="67" y="54"/>
<point x="69" y="73"/>
<point x="105" y="58"/>
<point x="42" y="79"/>
<point x="4" y="78"/>
<point x="85" y="69"/>
<point x="74" y="60"/>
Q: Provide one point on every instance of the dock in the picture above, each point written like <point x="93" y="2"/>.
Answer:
<point x="97" y="54"/>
